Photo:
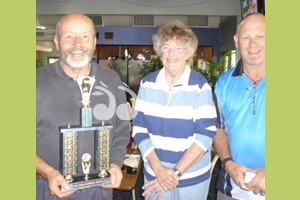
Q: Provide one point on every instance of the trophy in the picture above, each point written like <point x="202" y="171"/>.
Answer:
<point x="85" y="148"/>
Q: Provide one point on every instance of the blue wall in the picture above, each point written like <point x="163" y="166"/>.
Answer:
<point x="210" y="37"/>
<point x="142" y="36"/>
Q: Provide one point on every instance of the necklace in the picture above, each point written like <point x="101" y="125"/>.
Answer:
<point x="253" y="81"/>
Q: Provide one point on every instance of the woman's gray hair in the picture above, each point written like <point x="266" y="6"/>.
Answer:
<point x="179" y="31"/>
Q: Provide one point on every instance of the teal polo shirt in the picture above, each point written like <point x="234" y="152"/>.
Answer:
<point x="241" y="112"/>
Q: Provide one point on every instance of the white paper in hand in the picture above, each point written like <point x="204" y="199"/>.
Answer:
<point x="249" y="176"/>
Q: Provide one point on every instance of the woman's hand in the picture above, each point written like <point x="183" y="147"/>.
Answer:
<point x="166" y="178"/>
<point x="154" y="188"/>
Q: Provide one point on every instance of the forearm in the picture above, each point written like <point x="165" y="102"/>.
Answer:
<point x="190" y="157"/>
<point x="221" y="145"/>
<point x="154" y="161"/>
<point x="42" y="168"/>
<point x="141" y="135"/>
<point x="55" y="180"/>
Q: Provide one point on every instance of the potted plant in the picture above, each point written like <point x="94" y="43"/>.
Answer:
<point x="150" y="66"/>
<point x="38" y="62"/>
<point x="213" y="69"/>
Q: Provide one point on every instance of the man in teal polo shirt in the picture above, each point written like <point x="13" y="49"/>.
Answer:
<point x="240" y="138"/>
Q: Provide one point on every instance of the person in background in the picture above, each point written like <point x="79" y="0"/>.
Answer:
<point x="240" y="138"/>
<point x="176" y="120"/>
<point x="58" y="102"/>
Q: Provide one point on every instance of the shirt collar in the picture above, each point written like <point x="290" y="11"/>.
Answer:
<point x="239" y="70"/>
<point x="183" y="80"/>
<point x="62" y="73"/>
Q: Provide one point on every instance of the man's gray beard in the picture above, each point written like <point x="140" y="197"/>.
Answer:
<point x="78" y="64"/>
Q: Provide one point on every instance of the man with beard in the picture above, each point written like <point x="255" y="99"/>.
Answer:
<point x="58" y="102"/>
<point x="240" y="137"/>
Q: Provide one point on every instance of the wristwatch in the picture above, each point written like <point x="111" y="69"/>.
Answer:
<point x="225" y="161"/>
<point x="177" y="172"/>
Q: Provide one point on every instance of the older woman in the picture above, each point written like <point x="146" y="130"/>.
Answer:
<point x="175" y="122"/>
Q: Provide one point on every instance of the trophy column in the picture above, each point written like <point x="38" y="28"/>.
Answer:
<point x="70" y="155"/>
<point x="102" y="154"/>
<point x="85" y="85"/>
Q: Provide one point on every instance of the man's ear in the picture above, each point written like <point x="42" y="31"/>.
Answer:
<point x="236" y="41"/>
<point x="56" y="43"/>
<point x="95" y="43"/>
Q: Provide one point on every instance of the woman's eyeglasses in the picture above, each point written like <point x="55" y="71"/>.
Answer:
<point x="177" y="49"/>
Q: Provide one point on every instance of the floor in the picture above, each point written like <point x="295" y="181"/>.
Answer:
<point x="124" y="195"/>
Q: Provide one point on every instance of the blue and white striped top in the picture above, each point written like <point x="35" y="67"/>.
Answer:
<point x="169" y="121"/>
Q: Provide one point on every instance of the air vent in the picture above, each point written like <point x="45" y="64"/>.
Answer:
<point x="97" y="19"/>
<point x="109" y="35"/>
<point x="197" y="21"/>
<point x="143" y="20"/>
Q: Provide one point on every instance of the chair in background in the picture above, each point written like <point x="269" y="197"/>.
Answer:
<point x="130" y="111"/>
<point x="132" y="101"/>
<point x="214" y="159"/>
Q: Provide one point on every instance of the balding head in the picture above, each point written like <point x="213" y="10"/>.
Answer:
<point x="79" y="17"/>
<point x="251" y="17"/>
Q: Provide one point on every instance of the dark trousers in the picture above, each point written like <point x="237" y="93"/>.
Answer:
<point x="222" y="196"/>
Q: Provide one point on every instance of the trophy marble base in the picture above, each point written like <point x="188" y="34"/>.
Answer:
<point x="93" y="181"/>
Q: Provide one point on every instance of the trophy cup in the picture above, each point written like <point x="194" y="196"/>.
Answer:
<point x="94" y="153"/>
<point x="86" y="165"/>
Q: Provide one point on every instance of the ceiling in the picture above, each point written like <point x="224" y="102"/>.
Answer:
<point x="45" y="24"/>
<point x="134" y="13"/>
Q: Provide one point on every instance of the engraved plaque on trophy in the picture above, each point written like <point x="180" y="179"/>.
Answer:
<point x="85" y="148"/>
